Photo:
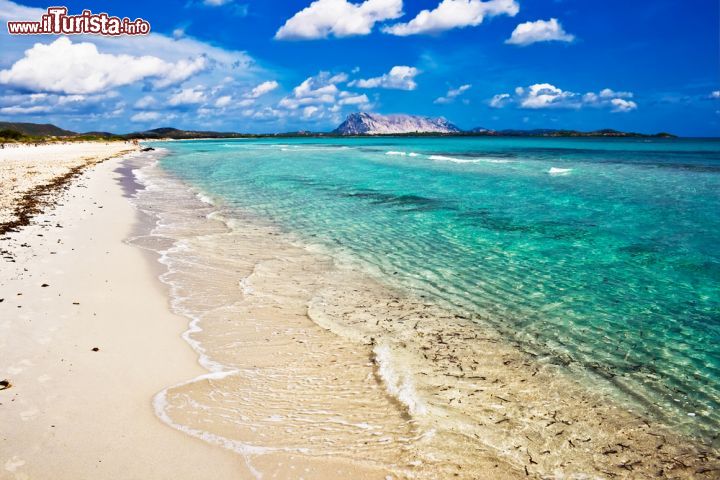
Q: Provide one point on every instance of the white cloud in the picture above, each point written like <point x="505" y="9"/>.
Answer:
<point x="499" y="100"/>
<point x="452" y="94"/>
<point x="171" y="50"/>
<point x="451" y="14"/>
<point x="223" y="101"/>
<point x="58" y="104"/>
<point x="309" y="111"/>
<point x="400" y="77"/>
<point x="320" y="98"/>
<point x="145" y="102"/>
<point x="539" y="31"/>
<point x="608" y="93"/>
<point x="620" y="105"/>
<point x="545" y="95"/>
<point x="354" y="100"/>
<point x="318" y="90"/>
<point x="145" y="117"/>
<point x="66" y="67"/>
<point x="265" y="114"/>
<point x="25" y="110"/>
<point x="715" y="94"/>
<point x="338" y="18"/>
<point x="341" y="77"/>
<point x="187" y="96"/>
<point x="262" y="89"/>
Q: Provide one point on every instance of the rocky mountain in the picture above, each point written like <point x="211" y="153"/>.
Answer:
<point x="375" y="124"/>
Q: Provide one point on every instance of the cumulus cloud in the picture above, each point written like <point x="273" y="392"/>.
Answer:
<point x="620" y="105"/>
<point x="173" y="61"/>
<point x="499" y="100"/>
<point x="145" y="117"/>
<point x="451" y="14"/>
<point x="539" y="31"/>
<point x="715" y="94"/>
<point x="262" y="89"/>
<point x="60" y="104"/>
<point x="350" y="99"/>
<point x="31" y="110"/>
<point x="400" y="77"/>
<point x="309" y="111"/>
<point x="223" y="101"/>
<point x="187" y="96"/>
<point x="66" y="67"/>
<point x="320" y="97"/>
<point x="452" y="94"/>
<point x="338" y="18"/>
<point x="313" y="90"/>
<point x="145" y="102"/>
<point x="546" y="95"/>
<point x="264" y="114"/>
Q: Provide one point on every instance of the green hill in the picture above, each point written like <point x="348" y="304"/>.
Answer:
<point x="36" y="129"/>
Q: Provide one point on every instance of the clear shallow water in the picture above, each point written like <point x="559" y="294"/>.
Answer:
<point x="600" y="253"/>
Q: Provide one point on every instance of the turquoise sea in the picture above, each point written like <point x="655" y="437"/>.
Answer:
<point x="604" y="253"/>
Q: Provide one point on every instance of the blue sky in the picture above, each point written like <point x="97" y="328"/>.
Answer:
<point x="266" y="66"/>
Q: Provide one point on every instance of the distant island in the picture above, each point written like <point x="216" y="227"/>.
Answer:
<point x="356" y="124"/>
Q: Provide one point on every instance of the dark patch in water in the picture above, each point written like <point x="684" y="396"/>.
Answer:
<point x="558" y="230"/>
<point x="637" y="249"/>
<point x="406" y="203"/>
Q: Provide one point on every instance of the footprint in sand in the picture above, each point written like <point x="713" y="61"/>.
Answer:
<point x="14" y="463"/>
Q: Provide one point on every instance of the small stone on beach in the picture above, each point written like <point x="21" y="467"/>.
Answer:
<point x="95" y="349"/>
<point x="44" y="285"/>
<point x="5" y="384"/>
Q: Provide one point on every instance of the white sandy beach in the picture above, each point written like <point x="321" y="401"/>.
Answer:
<point x="72" y="412"/>
<point x="88" y="339"/>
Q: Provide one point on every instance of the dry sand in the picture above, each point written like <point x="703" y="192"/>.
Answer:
<point x="69" y="284"/>
<point x="24" y="167"/>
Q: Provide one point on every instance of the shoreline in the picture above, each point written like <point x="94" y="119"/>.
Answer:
<point x="509" y="407"/>
<point x="75" y="285"/>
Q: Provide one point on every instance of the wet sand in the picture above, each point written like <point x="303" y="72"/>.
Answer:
<point x="317" y="367"/>
<point x="87" y="340"/>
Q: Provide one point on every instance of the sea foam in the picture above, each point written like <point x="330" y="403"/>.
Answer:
<point x="398" y="383"/>
<point x="401" y="154"/>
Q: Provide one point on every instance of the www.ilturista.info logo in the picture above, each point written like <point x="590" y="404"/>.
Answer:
<point x="58" y="22"/>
